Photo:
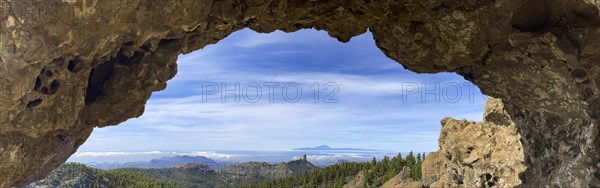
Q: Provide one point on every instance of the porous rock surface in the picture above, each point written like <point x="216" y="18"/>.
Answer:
<point x="68" y="66"/>
<point x="484" y="154"/>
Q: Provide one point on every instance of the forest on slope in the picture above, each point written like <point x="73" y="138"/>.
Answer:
<point x="297" y="173"/>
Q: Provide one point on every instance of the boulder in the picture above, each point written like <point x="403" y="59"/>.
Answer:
<point x="403" y="180"/>
<point x="483" y="154"/>
<point x="433" y="167"/>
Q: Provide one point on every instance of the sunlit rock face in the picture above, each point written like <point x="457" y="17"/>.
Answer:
<point x="483" y="154"/>
<point x="402" y="179"/>
<point x="71" y="65"/>
<point x="432" y="168"/>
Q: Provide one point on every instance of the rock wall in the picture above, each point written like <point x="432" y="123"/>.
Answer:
<point x="484" y="154"/>
<point x="432" y="168"/>
<point x="71" y="65"/>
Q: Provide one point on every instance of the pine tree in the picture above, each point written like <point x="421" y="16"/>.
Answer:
<point x="416" y="172"/>
<point x="385" y="162"/>
<point x="399" y="156"/>
<point x="410" y="159"/>
<point x="340" y="182"/>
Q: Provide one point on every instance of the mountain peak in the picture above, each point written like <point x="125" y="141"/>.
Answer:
<point x="195" y="167"/>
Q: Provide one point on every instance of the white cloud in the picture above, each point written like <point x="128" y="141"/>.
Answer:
<point x="209" y="154"/>
<point x="370" y="109"/>
<point x="113" y="153"/>
<point x="262" y="39"/>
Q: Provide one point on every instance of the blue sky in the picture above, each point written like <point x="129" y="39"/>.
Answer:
<point x="379" y="104"/>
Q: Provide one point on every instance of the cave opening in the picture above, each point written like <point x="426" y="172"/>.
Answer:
<point x="536" y="58"/>
<point x="257" y="93"/>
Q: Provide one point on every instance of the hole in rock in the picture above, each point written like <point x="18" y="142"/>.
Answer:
<point x="122" y="58"/>
<point x="279" y="96"/>
<point x="488" y="176"/>
<point x="469" y="150"/>
<point x="137" y="57"/>
<point x="578" y="73"/>
<point x="38" y="84"/>
<point x="98" y="76"/>
<point x="145" y="47"/>
<point x="532" y="16"/>
<point x="49" y="73"/>
<point x="34" y="103"/>
<point x="73" y="66"/>
<point x="54" y="87"/>
<point x="60" y="137"/>
<point x="165" y="42"/>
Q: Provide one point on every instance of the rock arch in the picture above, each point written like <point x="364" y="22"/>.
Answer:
<point x="71" y="65"/>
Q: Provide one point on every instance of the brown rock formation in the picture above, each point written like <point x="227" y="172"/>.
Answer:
<point x="69" y="66"/>
<point x="484" y="154"/>
<point x="403" y="180"/>
<point x="433" y="166"/>
<point x="358" y="181"/>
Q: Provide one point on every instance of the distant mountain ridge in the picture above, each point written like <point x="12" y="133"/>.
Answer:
<point x="264" y="170"/>
<point x="168" y="162"/>
<point x="180" y="175"/>
<point x="163" y="162"/>
<point x="326" y="147"/>
<point x="393" y="172"/>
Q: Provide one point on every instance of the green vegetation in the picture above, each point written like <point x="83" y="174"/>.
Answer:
<point x="189" y="175"/>
<point x="376" y="173"/>
<point x="176" y="177"/>
<point x="80" y="176"/>
<point x="298" y="173"/>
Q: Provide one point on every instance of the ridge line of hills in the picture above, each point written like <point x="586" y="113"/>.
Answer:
<point x="295" y="173"/>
